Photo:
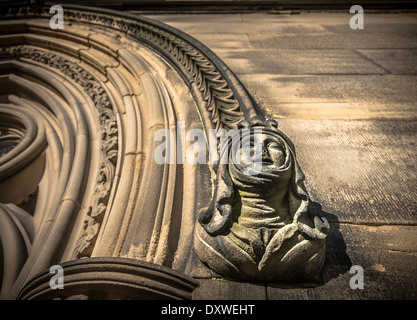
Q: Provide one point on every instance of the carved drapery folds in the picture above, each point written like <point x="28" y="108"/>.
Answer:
<point x="108" y="133"/>
<point x="80" y="111"/>
<point x="257" y="226"/>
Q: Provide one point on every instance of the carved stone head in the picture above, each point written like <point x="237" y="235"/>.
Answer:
<point x="273" y="170"/>
<point x="264" y="158"/>
<point x="259" y="203"/>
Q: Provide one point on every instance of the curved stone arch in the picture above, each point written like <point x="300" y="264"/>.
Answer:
<point x="60" y="117"/>
<point x="221" y="91"/>
<point x="99" y="91"/>
<point x="115" y="81"/>
<point x="112" y="278"/>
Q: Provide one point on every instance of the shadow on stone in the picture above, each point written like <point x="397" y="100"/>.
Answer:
<point x="337" y="261"/>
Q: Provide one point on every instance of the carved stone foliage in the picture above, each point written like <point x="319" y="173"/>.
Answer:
<point x="108" y="134"/>
<point x="218" y="96"/>
<point x="258" y="226"/>
<point x="82" y="107"/>
<point x="51" y="152"/>
<point x="205" y="70"/>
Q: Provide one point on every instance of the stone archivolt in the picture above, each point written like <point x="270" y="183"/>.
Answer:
<point x="108" y="130"/>
<point x="79" y="110"/>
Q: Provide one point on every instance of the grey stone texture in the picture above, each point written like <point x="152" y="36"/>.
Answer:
<point x="80" y="185"/>
<point x="347" y="100"/>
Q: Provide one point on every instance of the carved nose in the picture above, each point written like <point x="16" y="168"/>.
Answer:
<point x="265" y="153"/>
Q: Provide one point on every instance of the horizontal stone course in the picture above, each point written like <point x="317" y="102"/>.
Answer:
<point x="346" y="98"/>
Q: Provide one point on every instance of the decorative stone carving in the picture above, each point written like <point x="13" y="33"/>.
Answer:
<point x="88" y="100"/>
<point x="108" y="135"/>
<point x="258" y="226"/>
<point x="112" y="279"/>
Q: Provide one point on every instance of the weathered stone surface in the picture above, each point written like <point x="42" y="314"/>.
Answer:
<point x="111" y="279"/>
<point x="360" y="174"/>
<point x="312" y="61"/>
<point x="335" y="97"/>
<point x="259" y="225"/>
<point x="322" y="41"/>
<point x="98" y="104"/>
<point x="228" y="290"/>
<point x="395" y="61"/>
<point x="118" y="195"/>
<point x="373" y="177"/>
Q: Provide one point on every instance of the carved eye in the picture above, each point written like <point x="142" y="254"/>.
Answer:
<point x="273" y="144"/>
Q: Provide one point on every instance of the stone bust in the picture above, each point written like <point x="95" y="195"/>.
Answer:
<point x="258" y="225"/>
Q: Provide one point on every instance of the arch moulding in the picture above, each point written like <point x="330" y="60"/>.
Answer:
<point x="84" y="113"/>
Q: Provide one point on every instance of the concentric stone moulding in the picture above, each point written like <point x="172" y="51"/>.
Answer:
<point x="108" y="136"/>
<point x="219" y="97"/>
<point x="256" y="228"/>
<point x="112" y="278"/>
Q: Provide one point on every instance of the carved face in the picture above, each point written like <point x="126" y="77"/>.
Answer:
<point x="264" y="150"/>
<point x="262" y="158"/>
<point x="273" y="153"/>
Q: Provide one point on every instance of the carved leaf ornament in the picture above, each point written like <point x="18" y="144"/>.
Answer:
<point x="79" y="111"/>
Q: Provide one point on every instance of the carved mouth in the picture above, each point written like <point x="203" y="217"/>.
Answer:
<point x="267" y="161"/>
<point x="263" y="160"/>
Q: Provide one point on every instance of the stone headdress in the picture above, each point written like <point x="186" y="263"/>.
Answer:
<point x="217" y="218"/>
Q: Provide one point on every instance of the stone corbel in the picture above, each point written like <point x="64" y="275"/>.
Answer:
<point x="91" y="98"/>
<point x="258" y="225"/>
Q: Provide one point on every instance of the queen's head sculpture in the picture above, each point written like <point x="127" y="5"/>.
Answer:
<point x="259" y="225"/>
